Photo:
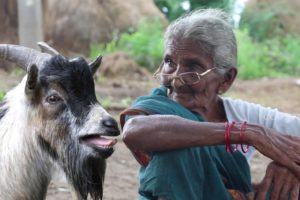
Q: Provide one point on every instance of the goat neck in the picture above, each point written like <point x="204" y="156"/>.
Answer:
<point x="25" y="170"/>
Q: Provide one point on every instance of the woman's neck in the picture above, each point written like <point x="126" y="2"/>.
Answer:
<point x="213" y="112"/>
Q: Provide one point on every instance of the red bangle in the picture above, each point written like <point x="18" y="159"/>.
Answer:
<point x="242" y="131"/>
<point x="228" y="127"/>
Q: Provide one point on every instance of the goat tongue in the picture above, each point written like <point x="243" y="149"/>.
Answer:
<point x="100" y="141"/>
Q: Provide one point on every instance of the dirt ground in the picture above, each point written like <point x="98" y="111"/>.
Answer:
<point x="121" y="177"/>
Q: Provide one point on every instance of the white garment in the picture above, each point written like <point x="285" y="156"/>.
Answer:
<point x="240" y="111"/>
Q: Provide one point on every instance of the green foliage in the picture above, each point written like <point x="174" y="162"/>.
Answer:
<point x="225" y="5"/>
<point x="263" y="20"/>
<point x="17" y="71"/>
<point x="291" y="54"/>
<point x="174" y="9"/>
<point x="2" y="94"/>
<point x="145" y="45"/>
<point x="100" y="79"/>
<point x="171" y="8"/>
<point x="126" y="102"/>
<point x="106" y="102"/>
<point x="265" y="49"/>
<point x="269" y="58"/>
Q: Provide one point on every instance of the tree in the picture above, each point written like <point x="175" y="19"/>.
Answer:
<point x="226" y="5"/>
<point x="174" y="8"/>
<point x="171" y="8"/>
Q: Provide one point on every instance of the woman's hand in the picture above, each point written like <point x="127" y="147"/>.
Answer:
<point x="282" y="181"/>
<point x="284" y="149"/>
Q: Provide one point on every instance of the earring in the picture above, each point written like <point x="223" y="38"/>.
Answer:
<point x="220" y="92"/>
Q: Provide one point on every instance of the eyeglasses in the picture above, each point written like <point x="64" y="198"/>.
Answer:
<point x="188" y="78"/>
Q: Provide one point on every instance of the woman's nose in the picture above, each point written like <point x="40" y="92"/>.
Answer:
<point x="176" y="82"/>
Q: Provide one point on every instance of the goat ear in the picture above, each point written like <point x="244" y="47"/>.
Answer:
<point x="95" y="64"/>
<point x="32" y="77"/>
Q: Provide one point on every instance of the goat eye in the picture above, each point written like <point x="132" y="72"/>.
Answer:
<point x="53" y="99"/>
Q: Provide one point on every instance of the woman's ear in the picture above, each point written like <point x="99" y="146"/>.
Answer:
<point x="228" y="79"/>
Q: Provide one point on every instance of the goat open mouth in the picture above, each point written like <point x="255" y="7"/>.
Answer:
<point x="101" y="143"/>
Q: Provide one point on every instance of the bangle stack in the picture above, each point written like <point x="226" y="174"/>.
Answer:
<point x="227" y="134"/>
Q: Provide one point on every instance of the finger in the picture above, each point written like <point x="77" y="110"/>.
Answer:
<point x="295" y="192"/>
<point x="280" y="180"/>
<point x="265" y="185"/>
<point x="287" y="187"/>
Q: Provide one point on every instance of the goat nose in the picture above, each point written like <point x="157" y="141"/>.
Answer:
<point x="111" y="124"/>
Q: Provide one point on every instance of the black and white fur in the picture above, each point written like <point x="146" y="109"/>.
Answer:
<point x="44" y="123"/>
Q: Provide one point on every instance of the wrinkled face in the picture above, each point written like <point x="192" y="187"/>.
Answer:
<point x="71" y="125"/>
<point x="181" y="56"/>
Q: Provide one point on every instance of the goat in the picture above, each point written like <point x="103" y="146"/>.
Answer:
<point x="51" y="120"/>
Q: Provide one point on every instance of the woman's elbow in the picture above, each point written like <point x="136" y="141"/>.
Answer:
<point x="130" y="134"/>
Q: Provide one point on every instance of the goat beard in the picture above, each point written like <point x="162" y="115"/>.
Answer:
<point x="84" y="172"/>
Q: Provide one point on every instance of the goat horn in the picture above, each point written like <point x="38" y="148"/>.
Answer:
<point x="22" y="56"/>
<point x="95" y="64"/>
<point x="47" y="49"/>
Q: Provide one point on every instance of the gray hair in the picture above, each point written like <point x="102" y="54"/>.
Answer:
<point x="212" y="30"/>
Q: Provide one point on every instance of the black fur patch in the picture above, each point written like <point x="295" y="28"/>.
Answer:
<point x="85" y="173"/>
<point x="3" y="110"/>
<point x="75" y="78"/>
<point x="47" y="147"/>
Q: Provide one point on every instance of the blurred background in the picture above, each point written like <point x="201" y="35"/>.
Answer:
<point x="129" y="36"/>
<point x="267" y="30"/>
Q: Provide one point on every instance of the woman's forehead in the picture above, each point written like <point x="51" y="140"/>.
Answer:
<point x="184" y="45"/>
<point x="186" y="49"/>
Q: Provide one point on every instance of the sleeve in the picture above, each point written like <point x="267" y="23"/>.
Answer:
<point x="238" y="110"/>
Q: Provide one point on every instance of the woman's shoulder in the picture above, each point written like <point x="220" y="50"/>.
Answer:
<point x="241" y="104"/>
<point x="241" y="110"/>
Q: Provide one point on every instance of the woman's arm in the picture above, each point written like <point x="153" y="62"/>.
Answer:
<point x="166" y="132"/>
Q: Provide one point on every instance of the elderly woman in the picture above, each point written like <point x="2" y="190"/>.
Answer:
<point x="194" y="144"/>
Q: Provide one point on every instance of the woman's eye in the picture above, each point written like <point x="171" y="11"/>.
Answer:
<point x="170" y="63"/>
<point x="53" y="99"/>
<point x="194" y="66"/>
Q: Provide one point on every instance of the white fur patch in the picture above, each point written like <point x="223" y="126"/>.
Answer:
<point x="92" y="124"/>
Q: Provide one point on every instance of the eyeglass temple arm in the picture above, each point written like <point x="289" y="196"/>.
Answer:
<point x="204" y="73"/>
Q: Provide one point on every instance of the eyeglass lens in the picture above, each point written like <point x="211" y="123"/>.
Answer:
<point x="189" y="78"/>
<point x="186" y="78"/>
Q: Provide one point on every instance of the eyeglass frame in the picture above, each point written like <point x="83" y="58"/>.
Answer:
<point x="158" y="75"/>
